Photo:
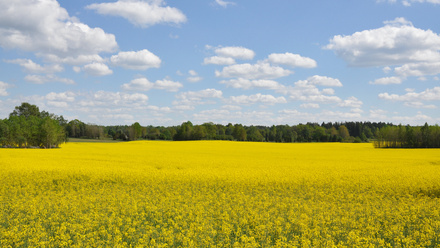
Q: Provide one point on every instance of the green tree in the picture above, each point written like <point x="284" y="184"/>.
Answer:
<point x="199" y="132"/>
<point x="26" y="110"/>
<point x="185" y="131"/>
<point x="254" y="135"/>
<point x="239" y="132"/>
<point x="343" y="132"/>
<point x="137" y="131"/>
<point x="52" y="133"/>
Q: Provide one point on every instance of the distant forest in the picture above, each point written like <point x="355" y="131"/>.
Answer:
<point x="28" y="127"/>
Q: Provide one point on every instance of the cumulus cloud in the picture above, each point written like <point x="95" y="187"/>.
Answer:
<point x="351" y="102"/>
<point x="118" y="98"/>
<point x="235" y="52"/>
<point x="186" y="100"/>
<point x="242" y="83"/>
<point x="167" y="85"/>
<point x="253" y="71"/>
<point x="306" y="90"/>
<point x="396" y="43"/>
<point x="198" y="95"/>
<point x="142" y="13"/>
<point x="3" y="87"/>
<point x="217" y="60"/>
<point x="418" y="69"/>
<point x="140" y="60"/>
<point x="257" y="98"/>
<point x="97" y="69"/>
<point x="228" y="55"/>
<point x="387" y="80"/>
<point x="324" y="81"/>
<point x="426" y="95"/>
<point x="293" y="60"/>
<point x="47" y="29"/>
<point x="42" y="79"/>
<point x="62" y="96"/>
<point x="31" y="67"/>
<point x="143" y="84"/>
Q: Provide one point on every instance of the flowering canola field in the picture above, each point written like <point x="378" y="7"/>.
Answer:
<point x="219" y="194"/>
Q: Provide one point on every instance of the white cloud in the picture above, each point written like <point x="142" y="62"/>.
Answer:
<point x="419" y="105"/>
<point x="351" y="102"/>
<point x="167" y="85"/>
<point x="138" y="84"/>
<point x="386" y="69"/>
<point x="387" y="80"/>
<point x="61" y="97"/>
<point x="224" y="3"/>
<point x="241" y="83"/>
<point x="257" y="98"/>
<point x="306" y="90"/>
<point x="97" y="69"/>
<point x="398" y="42"/>
<point x="187" y="99"/>
<point x="140" y="60"/>
<point x="328" y="91"/>
<point x="40" y="79"/>
<point x="309" y="105"/>
<point x="47" y="29"/>
<point x="194" y="78"/>
<point x="32" y="67"/>
<point x="217" y="60"/>
<point x="324" y="81"/>
<point x="143" y="84"/>
<point x="418" y="119"/>
<point x="141" y="13"/>
<point x="418" y="69"/>
<point x="118" y="98"/>
<point x="427" y="95"/>
<point x="76" y="60"/>
<point x="235" y="52"/>
<point x="293" y="60"/>
<point x="253" y="71"/>
<point x="3" y="87"/>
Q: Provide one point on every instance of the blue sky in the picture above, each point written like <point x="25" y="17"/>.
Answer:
<point x="251" y="62"/>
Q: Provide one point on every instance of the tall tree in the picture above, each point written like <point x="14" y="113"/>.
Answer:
<point x="26" y="110"/>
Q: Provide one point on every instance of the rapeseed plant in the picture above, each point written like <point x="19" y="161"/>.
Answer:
<point x="219" y="194"/>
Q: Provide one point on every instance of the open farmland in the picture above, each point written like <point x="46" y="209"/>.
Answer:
<point x="219" y="194"/>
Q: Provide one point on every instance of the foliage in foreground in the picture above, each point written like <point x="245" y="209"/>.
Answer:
<point x="219" y="194"/>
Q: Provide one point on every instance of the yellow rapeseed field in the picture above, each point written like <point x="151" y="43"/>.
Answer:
<point x="219" y="194"/>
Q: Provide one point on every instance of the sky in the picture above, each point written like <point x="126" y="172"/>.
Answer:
<point x="252" y="62"/>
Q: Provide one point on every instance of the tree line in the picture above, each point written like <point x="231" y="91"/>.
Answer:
<point x="28" y="127"/>
<point x="309" y="132"/>
<point x="408" y="137"/>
